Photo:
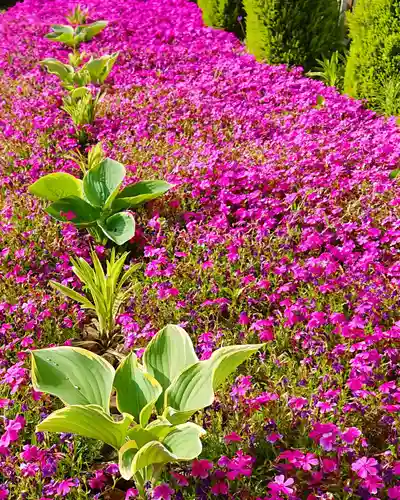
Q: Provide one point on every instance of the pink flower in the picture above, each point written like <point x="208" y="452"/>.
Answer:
<point x="65" y="486"/>
<point x="200" y="468"/>
<point x="274" y="437"/>
<point x="220" y="488"/>
<point x="365" y="467"/>
<point x="372" y="483"/>
<point x="351" y="434"/>
<point x="308" y="461"/>
<point x="131" y="493"/>
<point x="180" y="479"/>
<point x="232" y="438"/>
<point x="280" y="485"/>
<point x="162" y="492"/>
<point x="392" y="492"/>
<point x="98" y="481"/>
<point x="3" y="493"/>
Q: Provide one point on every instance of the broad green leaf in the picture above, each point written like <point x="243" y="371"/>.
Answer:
<point x="89" y="421"/>
<point x="56" y="67"/>
<point x="160" y="428"/>
<point x="72" y="294"/>
<point x="54" y="187"/>
<point x="177" y="417"/>
<point x="183" y="443"/>
<point x="119" y="228"/>
<point x="88" y="31"/>
<point x="394" y="173"/>
<point x="101" y="181"/>
<point x="62" y="33"/>
<point x="74" y="210"/>
<point x="139" y="193"/>
<point x="76" y="376"/>
<point x="194" y="388"/>
<point x="169" y="352"/>
<point x="140" y="436"/>
<point x="137" y="391"/>
<point x="125" y="459"/>
<point x="79" y="93"/>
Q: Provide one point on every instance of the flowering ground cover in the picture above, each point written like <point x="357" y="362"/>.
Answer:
<point x="283" y="227"/>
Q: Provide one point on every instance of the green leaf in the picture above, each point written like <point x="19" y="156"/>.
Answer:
<point x="101" y="181"/>
<point x="76" y="376"/>
<point x="119" y="228"/>
<point x="89" y="421"/>
<point x="139" y="193"/>
<point x="137" y="391"/>
<point x="62" y="33"/>
<point x="125" y="458"/>
<point x="140" y="436"/>
<point x="194" y="388"/>
<point x="55" y="67"/>
<point x="53" y="187"/>
<point x="79" y="93"/>
<point x="74" y="210"/>
<point x="160" y="428"/>
<point x="72" y="294"/>
<point x="91" y="30"/>
<point x="394" y="173"/>
<point x="169" y="352"/>
<point x="183" y="443"/>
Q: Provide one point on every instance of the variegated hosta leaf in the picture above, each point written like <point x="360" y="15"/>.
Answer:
<point x="169" y="352"/>
<point x="194" y="388"/>
<point x="76" y="376"/>
<point x="89" y="421"/>
<point x="137" y="391"/>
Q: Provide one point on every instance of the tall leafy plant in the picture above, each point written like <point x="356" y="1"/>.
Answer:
<point x="97" y="202"/>
<point x="74" y="36"/>
<point x="171" y="385"/>
<point x="95" y="71"/>
<point x="105" y="292"/>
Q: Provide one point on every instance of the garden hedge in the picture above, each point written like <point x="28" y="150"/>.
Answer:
<point x="296" y="32"/>
<point x="223" y="14"/>
<point x="375" y="49"/>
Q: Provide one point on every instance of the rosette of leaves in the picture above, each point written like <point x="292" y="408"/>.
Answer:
<point x="95" y="71"/>
<point x="155" y="399"/>
<point x="74" y="36"/>
<point x="97" y="202"/>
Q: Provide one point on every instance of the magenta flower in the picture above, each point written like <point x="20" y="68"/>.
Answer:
<point x="3" y="493"/>
<point x="200" y="468"/>
<point x="365" y="467"/>
<point x="281" y="485"/>
<point x="162" y="492"/>
<point x="65" y="486"/>
<point x="180" y="479"/>
<point x="131" y="493"/>
<point x="351" y="434"/>
<point x="232" y="438"/>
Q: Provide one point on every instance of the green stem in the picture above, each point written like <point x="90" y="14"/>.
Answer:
<point x="139" y="483"/>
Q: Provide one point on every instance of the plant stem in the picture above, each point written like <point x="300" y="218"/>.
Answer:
<point x="139" y="483"/>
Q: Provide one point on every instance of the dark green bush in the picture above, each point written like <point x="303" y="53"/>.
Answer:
<point x="374" y="59"/>
<point x="223" y="14"/>
<point x="295" y="32"/>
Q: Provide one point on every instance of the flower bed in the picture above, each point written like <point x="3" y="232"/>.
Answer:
<point x="283" y="227"/>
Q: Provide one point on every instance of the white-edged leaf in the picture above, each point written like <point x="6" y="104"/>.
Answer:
<point x="89" y="421"/>
<point x="76" y="376"/>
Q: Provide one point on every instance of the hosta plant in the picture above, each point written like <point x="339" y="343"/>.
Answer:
<point x="105" y="294"/>
<point x="95" y="71"/>
<point x="155" y="399"/>
<point x="97" y="202"/>
<point x="81" y="106"/>
<point x="74" y="36"/>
